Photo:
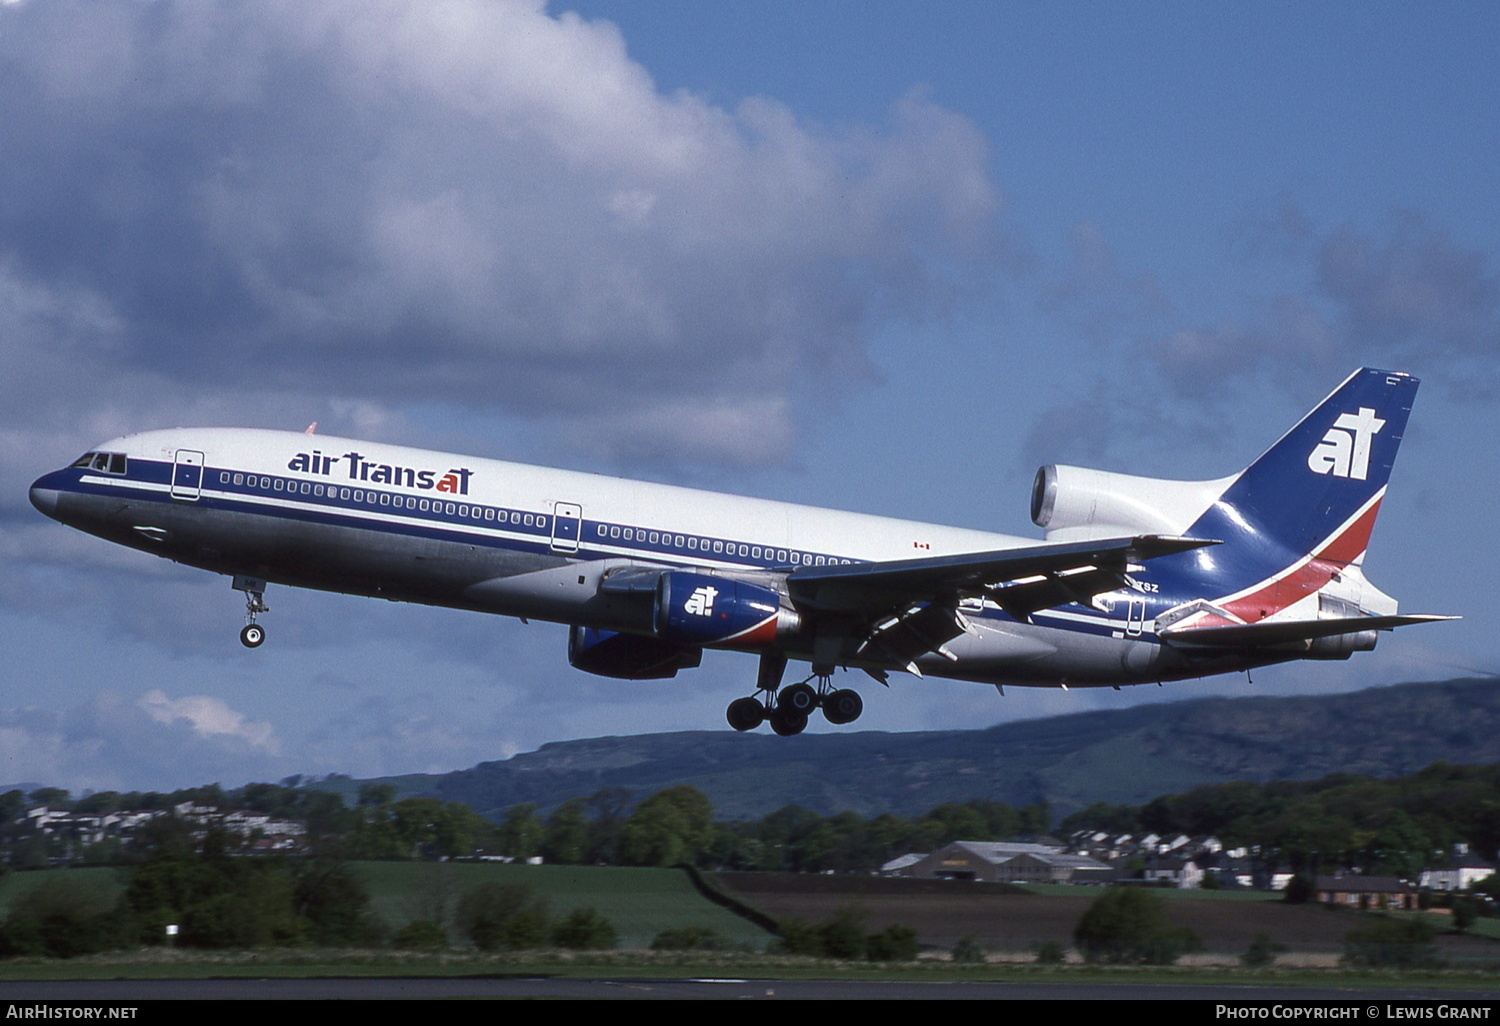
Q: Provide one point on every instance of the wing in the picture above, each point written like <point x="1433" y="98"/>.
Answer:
<point x="903" y="609"/>
<point x="893" y="612"/>
<point x="1021" y="580"/>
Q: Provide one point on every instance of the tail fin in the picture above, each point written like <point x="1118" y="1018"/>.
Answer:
<point x="1316" y="492"/>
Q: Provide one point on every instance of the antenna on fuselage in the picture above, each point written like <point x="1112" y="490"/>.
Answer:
<point x="312" y="429"/>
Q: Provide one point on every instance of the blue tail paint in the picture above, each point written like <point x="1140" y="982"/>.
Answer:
<point x="1316" y="492"/>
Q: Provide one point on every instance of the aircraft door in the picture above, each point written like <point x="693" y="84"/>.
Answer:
<point x="187" y="475"/>
<point x="567" y="522"/>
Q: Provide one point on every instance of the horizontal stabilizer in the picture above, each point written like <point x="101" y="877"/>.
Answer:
<point x="1282" y="632"/>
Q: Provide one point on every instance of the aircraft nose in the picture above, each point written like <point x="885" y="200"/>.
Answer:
<point x="44" y="499"/>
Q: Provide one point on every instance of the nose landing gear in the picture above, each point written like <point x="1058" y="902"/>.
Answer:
<point x="253" y="635"/>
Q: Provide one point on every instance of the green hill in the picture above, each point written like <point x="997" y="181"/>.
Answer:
<point x="1125" y="756"/>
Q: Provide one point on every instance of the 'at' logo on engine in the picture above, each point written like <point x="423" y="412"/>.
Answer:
<point x="1345" y="449"/>
<point x="701" y="601"/>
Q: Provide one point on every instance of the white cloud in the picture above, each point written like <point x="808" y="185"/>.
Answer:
<point x="470" y="203"/>
<point x="1406" y="295"/>
<point x="209" y="717"/>
<point x="112" y="741"/>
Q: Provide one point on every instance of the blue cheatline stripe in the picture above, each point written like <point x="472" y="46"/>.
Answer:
<point x="440" y="519"/>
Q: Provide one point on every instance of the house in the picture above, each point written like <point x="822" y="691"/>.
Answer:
<point x="1179" y="872"/>
<point x="1373" y="892"/>
<point x="1462" y="871"/>
<point x="1006" y="862"/>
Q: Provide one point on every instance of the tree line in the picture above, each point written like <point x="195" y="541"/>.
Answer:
<point x="1396" y="826"/>
<point x="1344" y="821"/>
<point x="672" y="826"/>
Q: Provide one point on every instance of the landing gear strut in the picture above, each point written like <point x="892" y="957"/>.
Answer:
<point x="253" y="635"/>
<point x="787" y="709"/>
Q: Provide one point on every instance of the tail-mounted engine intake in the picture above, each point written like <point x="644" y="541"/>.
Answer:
<point x="702" y="609"/>
<point x="1074" y="503"/>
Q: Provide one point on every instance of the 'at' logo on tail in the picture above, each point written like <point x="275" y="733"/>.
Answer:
<point x="1345" y="449"/>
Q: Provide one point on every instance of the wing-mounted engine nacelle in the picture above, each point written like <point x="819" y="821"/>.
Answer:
<point x="704" y="609"/>
<point x="1078" y="504"/>
<point x="628" y="656"/>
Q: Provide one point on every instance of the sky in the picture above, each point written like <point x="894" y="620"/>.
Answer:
<point x="881" y="257"/>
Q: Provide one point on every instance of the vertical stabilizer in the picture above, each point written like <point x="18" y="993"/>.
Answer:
<point x="1314" y="495"/>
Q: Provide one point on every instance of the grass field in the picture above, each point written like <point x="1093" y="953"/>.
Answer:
<point x="107" y="879"/>
<point x="639" y="902"/>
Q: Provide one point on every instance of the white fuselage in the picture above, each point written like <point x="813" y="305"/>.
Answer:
<point x="416" y="525"/>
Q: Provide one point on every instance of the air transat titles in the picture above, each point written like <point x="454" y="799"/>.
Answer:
<point x="454" y="481"/>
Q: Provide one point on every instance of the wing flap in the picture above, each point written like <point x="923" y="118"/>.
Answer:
<point x="900" y="639"/>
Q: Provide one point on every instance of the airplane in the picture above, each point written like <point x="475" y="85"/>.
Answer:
<point x="1137" y="580"/>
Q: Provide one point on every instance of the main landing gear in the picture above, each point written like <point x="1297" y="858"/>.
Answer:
<point x="788" y="708"/>
<point x="253" y="635"/>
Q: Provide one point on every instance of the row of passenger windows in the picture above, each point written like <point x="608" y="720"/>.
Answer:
<point x="109" y="462"/>
<point x="374" y="498"/>
<point x="691" y="543"/>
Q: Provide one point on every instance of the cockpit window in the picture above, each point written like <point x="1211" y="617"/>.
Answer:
<point x="109" y="462"/>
